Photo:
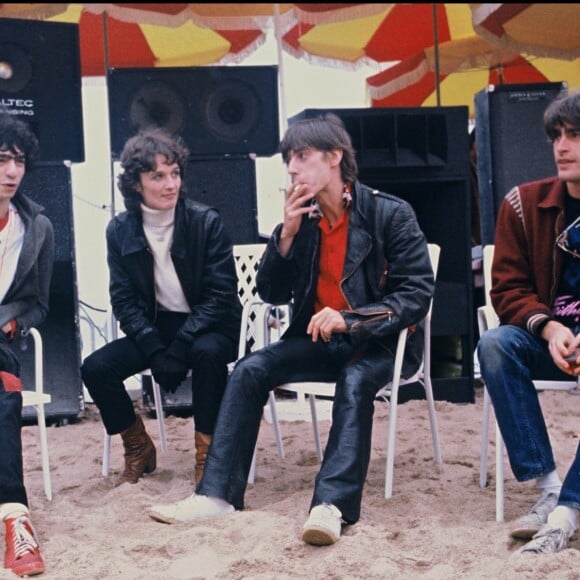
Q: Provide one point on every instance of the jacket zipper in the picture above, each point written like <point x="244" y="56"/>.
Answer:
<point x="384" y="315"/>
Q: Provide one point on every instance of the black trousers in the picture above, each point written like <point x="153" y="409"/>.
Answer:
<point x="11" y="472"/>
<point x="358" y="375"/>
<point x="104" y="371"/>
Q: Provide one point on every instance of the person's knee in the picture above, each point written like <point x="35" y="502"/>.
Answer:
<point x="207" y="350"/>
<point x="91" y="370"/>
<point x="250" y="374"/>
<point x="496" y="347"/>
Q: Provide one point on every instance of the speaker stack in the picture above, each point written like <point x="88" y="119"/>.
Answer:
<point x="227" y="116"/>
<point x="40" y="83"/>
<point x="421" y="155"/>
<point x="512" y="147"/>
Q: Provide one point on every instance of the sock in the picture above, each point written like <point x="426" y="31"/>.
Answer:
<point x="549" y="483"/>
<point x="564" y="517"/>
<point x="12" y="510"/>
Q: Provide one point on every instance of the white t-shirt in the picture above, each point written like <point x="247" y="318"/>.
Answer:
<point x="11" y="238"/>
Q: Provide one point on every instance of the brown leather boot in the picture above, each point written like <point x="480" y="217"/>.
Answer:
<point x="140" y="454"/>
<point x="202" y="441"/>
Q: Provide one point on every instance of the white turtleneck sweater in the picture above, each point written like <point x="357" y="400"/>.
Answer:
<point x="158" y="226"/>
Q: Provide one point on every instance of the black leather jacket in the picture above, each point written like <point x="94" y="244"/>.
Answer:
<point x="202" y="255"/>
<point x="387" y="281"/>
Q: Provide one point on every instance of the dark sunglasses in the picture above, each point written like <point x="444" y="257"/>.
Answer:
<point x="569" y="239"/>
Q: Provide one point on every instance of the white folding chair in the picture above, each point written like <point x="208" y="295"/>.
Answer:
<point x="487" y="319"/>
<point x="254" y="327"/>
<point x="388" y="394"/>
<point x="37" y="398"/>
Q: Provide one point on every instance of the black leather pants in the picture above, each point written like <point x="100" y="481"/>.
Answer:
<point x="358" y="374"/>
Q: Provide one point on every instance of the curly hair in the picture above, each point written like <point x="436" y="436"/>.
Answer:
<point x="17" y="135"/>
<point x="323" y="133"/>
<point x="138" y="156"/>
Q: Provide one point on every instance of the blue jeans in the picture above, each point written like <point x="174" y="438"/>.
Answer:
<point x="510" y="358"/>
<point x="11" y="473"/>
<point x="570" y="494"/>
<point x="358" y="374"/>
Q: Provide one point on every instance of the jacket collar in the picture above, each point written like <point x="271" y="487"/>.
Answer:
<point x="133" y="235"/>
<point x="27" y="209"/>
<point x="556" y="194"/>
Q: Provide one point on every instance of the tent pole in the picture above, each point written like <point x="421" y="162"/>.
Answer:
<point x="106" y="66"/>
<point x="113" y="325"/>
<point x="436" y="46"/>
<point x="281" y="80"/>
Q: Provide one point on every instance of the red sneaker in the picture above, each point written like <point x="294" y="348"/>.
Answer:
<point x="22" y="554"/>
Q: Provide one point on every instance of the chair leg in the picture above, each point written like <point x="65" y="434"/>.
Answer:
<point x="484" y="440"/>
<point x="160" y="414"/>
<point x="390" y="466"/>
<point x="277" y="433"/>
<point x="106" y="455"/>
<point x="499" y="475"/>
<point x="315" y="429"/>
<point x="252" y="474"/>
<point x="433" y="419"/>
<point x="499" y="460"/>
<point x="41" y="418"/>
<point x="276" y="425"/>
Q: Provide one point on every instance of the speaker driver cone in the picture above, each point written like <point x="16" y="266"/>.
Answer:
<point x="15" y="68"/>
<point x="232" y="110"/>
<point x="157" y="105"/>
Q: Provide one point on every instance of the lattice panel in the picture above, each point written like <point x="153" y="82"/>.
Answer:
<point x="247" y="258"/>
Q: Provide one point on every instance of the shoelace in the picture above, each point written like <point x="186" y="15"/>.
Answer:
<point x="24" y="541"/>
<point x="546" y="540"/>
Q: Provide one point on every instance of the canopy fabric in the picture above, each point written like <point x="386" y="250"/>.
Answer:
<point x="395" y="33"/>
<point x="132" y="45"/>
<point x="411" y="83"/>
<point x="548" y="30"/>
<point x="466" y="64"/>
<point x="178" y="34"/>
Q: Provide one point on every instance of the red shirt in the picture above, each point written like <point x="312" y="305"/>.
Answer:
<point x="332" y="254"/>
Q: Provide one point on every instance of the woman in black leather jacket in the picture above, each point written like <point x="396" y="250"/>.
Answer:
<point x="173" y="290"/>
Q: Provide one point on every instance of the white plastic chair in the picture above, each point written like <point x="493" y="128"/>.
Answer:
<point x="254" y="327"/>
<point x="388" y="394"/>
<point x="37" y="399"/>
<point x="487" y="319"/>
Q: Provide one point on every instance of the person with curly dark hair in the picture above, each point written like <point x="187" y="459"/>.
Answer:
<point x="26" y="262"/>
<point x="173" y="290"/>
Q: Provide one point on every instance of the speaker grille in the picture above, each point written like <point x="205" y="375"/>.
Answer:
<point x="216" y="110"/>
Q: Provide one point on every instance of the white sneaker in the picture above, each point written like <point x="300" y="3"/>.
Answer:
<point x="195" y="507"/>
<point x="548" y="540"/>
<point x="323" y="525"/>
<point x="528" y="525"/>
